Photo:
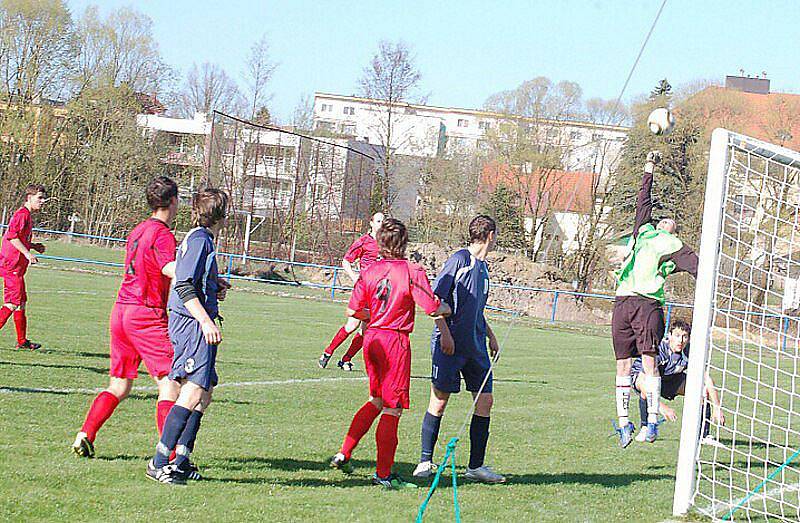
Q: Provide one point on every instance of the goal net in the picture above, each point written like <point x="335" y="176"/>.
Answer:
<point x="746" y="318"/>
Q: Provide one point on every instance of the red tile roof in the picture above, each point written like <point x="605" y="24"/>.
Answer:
<point x="773" y="117"/>
<point x="547" y="189"/>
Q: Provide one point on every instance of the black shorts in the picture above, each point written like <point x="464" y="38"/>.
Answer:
<point x="637" y="326"/>
<point x="670" y="385"/>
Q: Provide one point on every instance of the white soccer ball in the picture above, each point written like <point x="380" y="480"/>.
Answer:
<point x="661" y="121"/>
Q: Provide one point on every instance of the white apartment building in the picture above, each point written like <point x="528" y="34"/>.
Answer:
<point x="422" y="130"/>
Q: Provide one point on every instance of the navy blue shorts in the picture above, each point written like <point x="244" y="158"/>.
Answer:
<point x="446" y="371"/>
<point x="194" y="359"/>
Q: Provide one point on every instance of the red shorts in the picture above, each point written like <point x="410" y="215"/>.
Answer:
<point x="139" y="333"/>
<point x="387" y="358"/>
<point x="14" y="286"/>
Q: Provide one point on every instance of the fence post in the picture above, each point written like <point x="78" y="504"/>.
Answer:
<point x="333" y="283"/>
<point x="784" y="332"/>
<point x="230" y="265"/>
<point x="669" y="316"/>
<point x="555" y="304"/>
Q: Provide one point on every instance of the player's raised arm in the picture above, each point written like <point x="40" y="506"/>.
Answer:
<point x="644" y="203"/>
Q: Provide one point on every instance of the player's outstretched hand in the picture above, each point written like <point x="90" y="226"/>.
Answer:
<point x="222" y="292"/>
<point x="718" y="416"/>
<point x="211" y="332"/>
<point x="32" y="259"/>
<point x="448" y="343"/>
<point x="39" y="247"/>
<point x="654" y="157"/>
<point x="668" y="413"/>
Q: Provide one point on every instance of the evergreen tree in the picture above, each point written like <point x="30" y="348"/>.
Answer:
<point x="503" y="207"/>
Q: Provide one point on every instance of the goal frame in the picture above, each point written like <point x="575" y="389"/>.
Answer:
<point x="717" y="183"/>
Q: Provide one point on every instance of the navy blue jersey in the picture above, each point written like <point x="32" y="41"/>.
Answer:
<point x="464" y="284"/>
<point x="669" y="363"/>
<point x="197" y="262"/>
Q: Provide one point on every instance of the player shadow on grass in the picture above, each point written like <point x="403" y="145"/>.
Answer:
<point x="97" y="370"/>
<point x="496" y="380"/>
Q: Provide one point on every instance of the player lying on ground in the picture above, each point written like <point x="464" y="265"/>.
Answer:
<point x="637" y="321"/>
<point x="458" y="348"/>
<point x="193" y="307"/>
<point x="139" y="317"/>
<point x="384" y="296"/>
<point x="672" y="361"/>
<point x="364" y="251"/>
<point x="16" y="254"/>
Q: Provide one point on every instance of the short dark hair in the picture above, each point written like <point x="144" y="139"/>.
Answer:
<point x="681" y="324"/>
<point x="480" y="227"/>
<point x="34" y="189"/>
<point x="160" y="191"/>
<point x="209" y="207"/>
<point x="392" y="239"/>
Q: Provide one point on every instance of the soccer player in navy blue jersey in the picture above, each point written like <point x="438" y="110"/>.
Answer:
<point x="672" y="361"/>
<point x="193" y="305"/>
<point x="459" y="349"/>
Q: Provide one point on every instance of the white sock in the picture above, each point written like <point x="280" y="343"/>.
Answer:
<point x="623" y="396"/>
<point x="653" y="386"/>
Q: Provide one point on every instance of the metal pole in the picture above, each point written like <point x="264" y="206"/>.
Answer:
<point x="248" y="223"/>
<point x="333" y="283"/>
<point x="555" y="304"/>
<point x="669" y="316"/>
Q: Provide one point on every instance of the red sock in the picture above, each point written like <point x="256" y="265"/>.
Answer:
<point x="355" y="346"/>
<point x="102" y="408"/>
<point x="5" y="314"/>
<point x="21" y="323"/>
<point x="162" y="411"/>
<point x="386" y="439"/>
<point x="337" y="340"/>
<point x="361" y="423"/>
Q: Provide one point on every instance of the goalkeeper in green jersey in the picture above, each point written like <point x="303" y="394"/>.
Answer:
<point x="637" y="322"/>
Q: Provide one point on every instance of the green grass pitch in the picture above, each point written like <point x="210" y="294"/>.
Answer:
<point x="264" y="446"/>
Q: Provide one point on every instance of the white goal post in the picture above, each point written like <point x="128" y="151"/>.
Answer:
<point x="745" y="338"/>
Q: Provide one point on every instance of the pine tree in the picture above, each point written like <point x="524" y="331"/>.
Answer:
<point x="662" y="89"/>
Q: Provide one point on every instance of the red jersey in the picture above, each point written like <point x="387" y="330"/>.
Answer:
<point x="365" y="250"/>
<point x="21" y="228"/>
<point x="150" y="247"/>
<point x="389" y="289"/>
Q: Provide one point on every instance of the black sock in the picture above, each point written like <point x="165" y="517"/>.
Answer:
<point x="478" y="438"/>
<point x="173" y="428"/>
<point x="643" y="411"/>
<point x="707" y="420"/>
<point x="188" y="436"/>
<point x="430" y="433"/>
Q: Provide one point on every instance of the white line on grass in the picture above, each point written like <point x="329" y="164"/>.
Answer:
<point x="8" y="389"/>
<point x="11" y="390"/>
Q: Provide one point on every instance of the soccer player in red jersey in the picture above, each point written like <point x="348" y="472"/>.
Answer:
<point x="16" y="254"/>
<point x="364" y="251"/>
<point x="384" y="296"/>
<point x="139" y="317"/>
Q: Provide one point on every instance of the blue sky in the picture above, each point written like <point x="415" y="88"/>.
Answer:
<point x="467" y="49"/>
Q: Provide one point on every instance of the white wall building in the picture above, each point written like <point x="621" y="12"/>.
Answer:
<point x="422" y="130"/>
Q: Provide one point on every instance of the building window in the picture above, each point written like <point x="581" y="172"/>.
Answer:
<point x="326" y="108"/>
<point x="349" y="129"/>
<point x="349" y="110"/>
<point x="463" y="122"/>
<point x="552" y="134"/>
<point x="574" y="135"/>
<point x="484" y="125"/>
<point x="325" y="126"/>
